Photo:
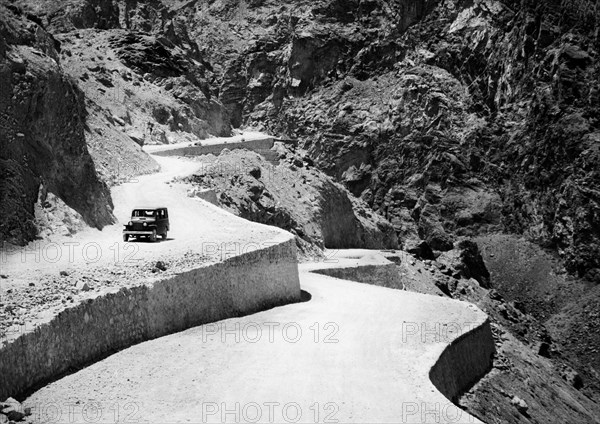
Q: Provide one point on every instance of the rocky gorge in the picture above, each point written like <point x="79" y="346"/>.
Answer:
<point x="413" y="106"/>
<point x="435" y="124"/>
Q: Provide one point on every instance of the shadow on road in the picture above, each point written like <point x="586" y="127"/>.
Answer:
<point x="145" y="240"/>
<point x="305" y="296"/>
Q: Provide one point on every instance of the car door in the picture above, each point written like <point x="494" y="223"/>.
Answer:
<point x="161" y="221"/>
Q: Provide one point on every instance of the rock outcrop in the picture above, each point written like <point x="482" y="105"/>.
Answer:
<point x="454" y="140"/>
<point x="148" y="88"/>
<point x="415" y="107"/>
<point x="42" y="132"/>
<point x="295" y="196"/>
<point x="144" y="67"/>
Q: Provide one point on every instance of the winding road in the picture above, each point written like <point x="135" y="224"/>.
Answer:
<point x="353" y="353"/>
<point x="195" y="225"/>
<point x="350" y="353"/>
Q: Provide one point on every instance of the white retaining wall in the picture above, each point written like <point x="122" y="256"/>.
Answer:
<point x="97" y="327"/>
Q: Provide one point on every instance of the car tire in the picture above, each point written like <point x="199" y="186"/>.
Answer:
<point x="164" y="235"/>
<point x="125" y="237"/>
<point x="153" y="236"/>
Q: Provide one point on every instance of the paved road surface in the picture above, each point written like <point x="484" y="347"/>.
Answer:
<point x="247" y="136"/>
<point x="353" y="353"/>
<point x="195" y="225"/>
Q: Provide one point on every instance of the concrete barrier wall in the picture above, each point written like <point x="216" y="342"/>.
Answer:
<point x="256" y="145"/>
<point x="385" y="275"/>
<point x="464" y="361"/>
<point x="467" y="359"/>
<point x="97" y="327"/>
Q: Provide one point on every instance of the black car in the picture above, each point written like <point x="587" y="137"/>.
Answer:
<point x="147" y="222"/>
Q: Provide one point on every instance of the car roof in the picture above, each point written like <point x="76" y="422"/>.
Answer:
<point x="149" y="207"/>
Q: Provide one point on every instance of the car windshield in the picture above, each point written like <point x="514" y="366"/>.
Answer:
<point x="147" y="213"/>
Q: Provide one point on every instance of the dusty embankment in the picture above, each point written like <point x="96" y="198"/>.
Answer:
<point x="353" y="353"/>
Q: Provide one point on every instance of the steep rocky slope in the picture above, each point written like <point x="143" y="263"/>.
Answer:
<point x="42" y="133"/>
<point x="144" y="66"/>
<point x="452" y="120"/>
<point x="418" y="107"/>
<point x="146" y="89"/>
<point x="563" y="311"/>
<point x="291" y="194"/>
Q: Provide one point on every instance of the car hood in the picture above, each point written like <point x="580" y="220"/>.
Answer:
<point x="142" y="219"/>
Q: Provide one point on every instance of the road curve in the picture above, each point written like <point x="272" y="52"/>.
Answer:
<point x="195" y="226"/>
<point x="352" y="353"/>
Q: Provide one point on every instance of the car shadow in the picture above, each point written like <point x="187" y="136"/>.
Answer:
<point x="145" y="240"/>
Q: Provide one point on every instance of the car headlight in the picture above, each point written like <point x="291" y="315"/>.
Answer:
<point x="145" y="224"/>
<point x="130" y="223"/>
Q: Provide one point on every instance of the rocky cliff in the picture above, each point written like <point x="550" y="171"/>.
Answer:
<point x="448" y="118"/>
<point x="144" y="66"/>
<point x="480" y="117"/>
<point x="42" y="133"/>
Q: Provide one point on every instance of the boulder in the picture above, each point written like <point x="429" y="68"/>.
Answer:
<point x="520" y="404"/>
<point x="572" y="377"/>
<point x="471" y="263"/>
<point x="255" y="172"/>
<point x="432" y="231"/>
<point x="419" y="248"/>
<point x="138" y="137"/>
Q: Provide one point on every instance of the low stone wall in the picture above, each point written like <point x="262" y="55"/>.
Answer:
<point x="464" y="361"/>
<point x="467" y="359"/>
<point x="259" y="145"/>
<point x="384" y="275"/>
<point x="238" y="286"/>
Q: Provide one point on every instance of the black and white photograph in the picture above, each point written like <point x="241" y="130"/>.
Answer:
<point x="300" y="211"/>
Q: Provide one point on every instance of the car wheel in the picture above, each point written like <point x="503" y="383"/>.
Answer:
<point x="125" y="237"/>
<point x="164" y="235"/>
<point x="153" y="236"/>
